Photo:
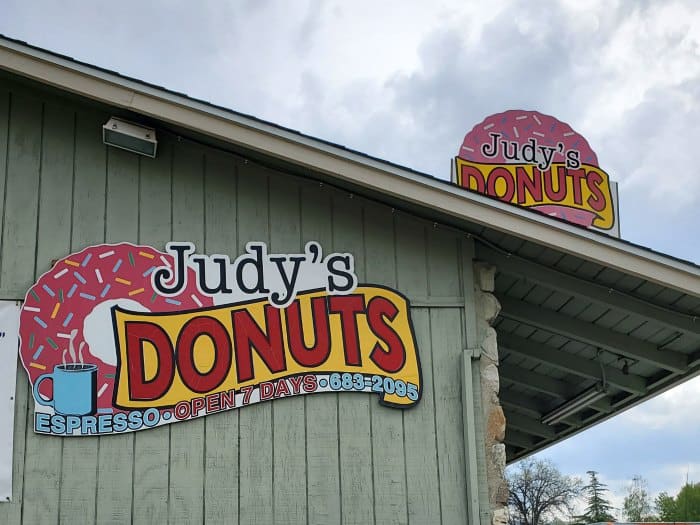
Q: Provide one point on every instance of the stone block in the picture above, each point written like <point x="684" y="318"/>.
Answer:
<point x="485" y="276"/>
<point x="489" y="345"/>
<point x="490" y="381"/>
<point x="488" y="306"/>
<point x="500" y="516"/>
<point x="495" y="425"/>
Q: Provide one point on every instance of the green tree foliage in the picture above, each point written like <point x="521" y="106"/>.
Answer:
<point x="597" y="506"/>
<point x="684" y="507"/>
<point x="538" y="491"/>
<point x="665" y="506"/>
<point x="637" y="505"/>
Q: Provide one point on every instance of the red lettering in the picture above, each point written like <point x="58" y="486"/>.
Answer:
<point x="577" y="175"/>
<point x="182" y="410"/>
<point x="195" y="380"/>
<point x="247" y="392"/>
<point x="267" y="390"/>
<point x="304" y="355"/>
<point x="137" y="333"/>
<point x="197" y="405"/>
<point x="249" y="335"/>
<point x="310" y="383"/>
<point x="281" y="389"/>
<point x="560" y="193"/>
<point x="213" y="403"/>
<point x="501" y="173"/>
<point x="296" y="383"/>
<point x="597" y="198"/>
<point x="348" y="306"/>
<point x="469" y="174"/>
<point x="228" y="399"/>
<point x="379" y="310"/>
<point x="526" y="184"/>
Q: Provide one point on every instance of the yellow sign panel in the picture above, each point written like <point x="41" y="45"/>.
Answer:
<point x="357" y="342"/>
<point x="584" y="190"/>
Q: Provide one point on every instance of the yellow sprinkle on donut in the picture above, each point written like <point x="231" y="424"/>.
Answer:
<point x="123" y="281"/>
<point x="136" y="292"/>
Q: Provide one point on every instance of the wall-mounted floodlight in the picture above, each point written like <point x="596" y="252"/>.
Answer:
<point x="130" y="136"/>
<point x="578" y="403"/>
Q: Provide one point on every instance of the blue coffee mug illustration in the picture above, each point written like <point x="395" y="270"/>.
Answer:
<point x="74" y="389"/>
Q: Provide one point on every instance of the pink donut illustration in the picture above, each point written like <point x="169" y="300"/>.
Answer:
<point x="520" y="126"/>
<point x="65" y="321"/>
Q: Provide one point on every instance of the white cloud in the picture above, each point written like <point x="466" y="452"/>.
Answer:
<point x="675" y="408"/>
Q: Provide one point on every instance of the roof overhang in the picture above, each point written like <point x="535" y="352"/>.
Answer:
<point x="579" y="307"/>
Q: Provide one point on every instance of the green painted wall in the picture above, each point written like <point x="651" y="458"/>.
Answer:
<point x="328" y="458"/>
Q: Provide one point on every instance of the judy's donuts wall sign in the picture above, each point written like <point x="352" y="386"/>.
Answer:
<point x="119" y="338"/>
<point x="539" y="162"/>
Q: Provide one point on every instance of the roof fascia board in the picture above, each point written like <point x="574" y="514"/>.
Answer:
<point x="351" y="167"/>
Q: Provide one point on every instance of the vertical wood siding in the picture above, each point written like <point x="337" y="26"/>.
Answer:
<point x="327" y="458"/>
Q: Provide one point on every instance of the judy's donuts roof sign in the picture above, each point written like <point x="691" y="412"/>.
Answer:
<point x="119" y="338"/>
<point x="539" y="162"/>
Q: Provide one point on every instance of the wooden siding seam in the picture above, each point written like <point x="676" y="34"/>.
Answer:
<point x="6" y="177"/>
<point x="238" y="414"/>
<point x="437" y="443"/>
<point x="34" y="271"/>
<point x="203" y="165"/>
<point x="306" y="449"/>
<point x="106" y="201"/>
<point x="72" y="183"/>
<point x="171" y="153"/>
<point x="272" y="412"/>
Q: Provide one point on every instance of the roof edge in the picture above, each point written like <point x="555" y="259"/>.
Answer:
<point x="343" y="164"/>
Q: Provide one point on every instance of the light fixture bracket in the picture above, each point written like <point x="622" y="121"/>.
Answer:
<point x="576" y="404"/>
<point x="130" y="136"/>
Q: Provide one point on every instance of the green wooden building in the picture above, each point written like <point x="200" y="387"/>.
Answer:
<point x="515" y="314"/>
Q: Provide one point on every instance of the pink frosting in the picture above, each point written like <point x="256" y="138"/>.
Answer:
<point x="519" y="126"/>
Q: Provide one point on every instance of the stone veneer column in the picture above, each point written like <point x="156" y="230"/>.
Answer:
<point x="495" y="422"/>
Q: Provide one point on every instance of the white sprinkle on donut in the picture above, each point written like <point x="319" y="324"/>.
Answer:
<point x="102" y="390"/>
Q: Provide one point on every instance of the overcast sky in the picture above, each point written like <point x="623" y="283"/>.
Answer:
<point x="405" y="80"/>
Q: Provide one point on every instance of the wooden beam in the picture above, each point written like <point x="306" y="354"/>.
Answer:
<point x="519" y="439"/>
<point x="546" y="385"/>
<point x="605" y="295"/>
<point x="572" y="363"/>
<point x="522" y="403"/>
<point x="534" y="381"/>
<point x="592" y="334"/>
<point x="526" y="424"/>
